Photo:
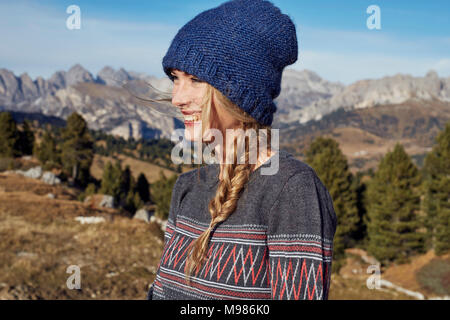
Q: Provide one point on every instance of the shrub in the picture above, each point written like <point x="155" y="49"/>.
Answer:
<point x="435" y="276"/>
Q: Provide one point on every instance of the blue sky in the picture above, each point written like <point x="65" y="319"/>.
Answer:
<point x="334" y="40"/>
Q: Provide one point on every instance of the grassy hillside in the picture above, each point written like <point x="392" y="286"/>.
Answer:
<point x="364" y="135"/>
<point x="414" y="276"/>
<point x="41" y="238"/>
<point x="151" y="171"/>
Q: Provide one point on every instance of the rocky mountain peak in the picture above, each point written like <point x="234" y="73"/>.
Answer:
<point x="302" y="88"/>
<point x="27" y="86"/>
<point x="111" y="77"/>
<point x="78" y="74"/>
<point x="58" y="80"/>
<point x="367" y="93"/>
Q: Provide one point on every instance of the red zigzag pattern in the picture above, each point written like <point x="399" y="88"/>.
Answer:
<point x="284" y="268"/>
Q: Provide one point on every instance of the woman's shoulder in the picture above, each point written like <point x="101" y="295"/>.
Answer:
<point x="293" y="163"/>
<point x="299" y="201"/>
<point x="283" y="166"/>
<point x="294" y="171"/>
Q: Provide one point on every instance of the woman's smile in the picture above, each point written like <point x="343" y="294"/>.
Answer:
<point x="191" y="119"/>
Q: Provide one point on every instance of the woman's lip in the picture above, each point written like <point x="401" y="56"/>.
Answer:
<point x="188" y="113"/>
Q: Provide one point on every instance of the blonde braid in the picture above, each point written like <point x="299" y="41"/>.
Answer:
<point x="224" y="203"/>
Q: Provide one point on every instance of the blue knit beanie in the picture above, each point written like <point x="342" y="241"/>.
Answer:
<point x="241" y="48"/>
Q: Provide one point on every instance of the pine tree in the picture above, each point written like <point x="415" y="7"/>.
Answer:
<point x="111" y="179"/>
<point x="26" y="139"/>
<point x="90" y="190"/>
<point x="137" y="201"/>
<point x="77" y="149"/>
<point x="129" y="202"/>
<point x="126" y="184"/>
<point x="9" y="136"/>
<point x="330" y="164"/>
<point x="47" y="153"/>
<point x="393" y="202"/>
<point x="133" y="202"/>
<point x="121" y="185"/>
<point x="162" y="193"/>
<point x="142" y="188"/>
<point x="436" y="186"/>
<point x="360" y="234"/>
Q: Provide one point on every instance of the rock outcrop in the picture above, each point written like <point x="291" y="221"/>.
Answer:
<point x="37" y="173"/>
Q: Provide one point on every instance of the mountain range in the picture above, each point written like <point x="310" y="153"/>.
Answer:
<point x="101" y="100"/>
<point x="308" y="105"/>
<point x="369" y="93"/>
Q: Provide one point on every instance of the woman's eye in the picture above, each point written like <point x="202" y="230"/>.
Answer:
<point x="193" y="79"/>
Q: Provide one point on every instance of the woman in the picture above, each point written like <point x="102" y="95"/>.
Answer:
<point x="234" y="232"/>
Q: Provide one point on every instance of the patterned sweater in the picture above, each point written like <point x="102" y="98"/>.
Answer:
<point x="277" y="244"/>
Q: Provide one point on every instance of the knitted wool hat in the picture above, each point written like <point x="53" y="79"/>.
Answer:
<point x="241" y="48"/>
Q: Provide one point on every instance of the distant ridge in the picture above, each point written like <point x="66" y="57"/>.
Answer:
<point x="304" y="96"/>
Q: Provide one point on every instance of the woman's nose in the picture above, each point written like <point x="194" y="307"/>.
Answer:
<point x="180" y="96"/>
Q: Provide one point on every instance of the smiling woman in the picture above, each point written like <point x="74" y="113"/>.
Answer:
<point x="235" y="231"/>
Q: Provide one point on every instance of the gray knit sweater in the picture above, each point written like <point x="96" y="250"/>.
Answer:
<point x="277" y="244"/>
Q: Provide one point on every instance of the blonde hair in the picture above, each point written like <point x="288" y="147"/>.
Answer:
<point x="234" y="175"/>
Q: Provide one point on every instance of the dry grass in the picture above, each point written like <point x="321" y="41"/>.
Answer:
<point x="354" y="140"/>
<point x="40" y="239"/>
<point x="356" y="289"/>
<point x="151" y="171"/>
<point x="17" y="183"/>
<point x="405" y="275"/>
<point x="351" y="282"/>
